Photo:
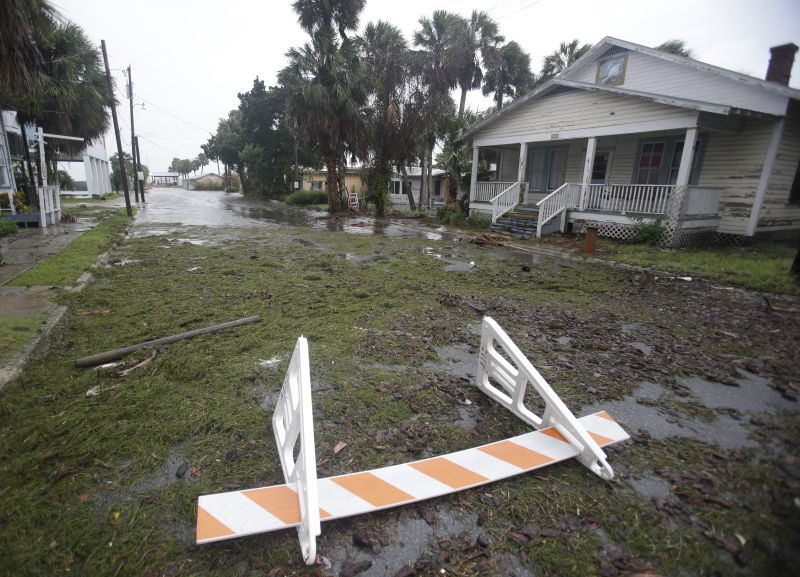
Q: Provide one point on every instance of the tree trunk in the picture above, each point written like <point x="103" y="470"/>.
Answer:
<point x="498" y="99"/>
<point x="431" y="188"/>
<point x="243" y="179"/>
<point x="31" y="191"/>
<point x="423" y="182"/>
<point x="333" y="197"/>
<point x="340" y="174"/>
<point x="404" y="180"/>
<point x="462" y="104"/>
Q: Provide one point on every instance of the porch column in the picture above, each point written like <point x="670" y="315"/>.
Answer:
<point x="677" y="204"/>
<point x="523" y="162"/>
<point x="474" y="177"/>
<point x="588" y="166"/>
<point x="87" y="168"/>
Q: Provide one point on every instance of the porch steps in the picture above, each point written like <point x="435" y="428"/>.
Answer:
<point x="520" y="222"/>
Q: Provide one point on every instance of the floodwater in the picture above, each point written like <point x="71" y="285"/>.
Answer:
<point x="174" y="206"/>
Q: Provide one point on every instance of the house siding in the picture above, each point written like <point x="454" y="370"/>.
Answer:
<point x="575" y="111"/>
<point x="649" y="74"/>
<point x="733" y="162"/>
<point x="775" y="211"/>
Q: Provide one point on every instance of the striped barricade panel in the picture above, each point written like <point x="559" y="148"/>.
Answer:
<point x="239" y="513"/>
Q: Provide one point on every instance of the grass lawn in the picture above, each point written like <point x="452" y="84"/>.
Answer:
<point x="15" y="333"/>
<point x="65" y="267"/>
<point x="99" y="473"/>
<point x="762" y="266"/>
<point x="109" y="196"/>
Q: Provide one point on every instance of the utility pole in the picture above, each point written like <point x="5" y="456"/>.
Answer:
<point x="116" y="131"/>
<point x="133" y="139"/>
<point x="139" y="165"/>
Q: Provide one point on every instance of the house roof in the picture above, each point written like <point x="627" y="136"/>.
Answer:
<point x="607" y="42"/>
<point x="205" y="175"/>
<point x="165" y="174"/>
<point x="416" y="171"/>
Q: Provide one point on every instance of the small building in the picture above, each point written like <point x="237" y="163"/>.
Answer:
<point x="164" y="178"/>
<point x="398" y="192"/>
<point x="318" y="180"/>
<point x="631" y="134"/>
<point x="210" y="181"/>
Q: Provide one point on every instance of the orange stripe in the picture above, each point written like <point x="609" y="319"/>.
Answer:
<point x="555" y="433"/>
<point x="517" y="455"/>
<point x="280" y="501"/>
<point x="372" y="489"/>
<point x="606" y="416"/>
<point x="448" y="472"/>
<point x="599" y="439"/>
<point x="209" y="527"/>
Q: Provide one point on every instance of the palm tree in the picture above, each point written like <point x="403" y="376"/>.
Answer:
<point x="322" y="80"/>
<point x="202" y="161"/>
<point x="479" y="35"/>
<point x="561" y="59"/>
<point x="25" y="26"/>
<point x="439" y="64"/>
<point x="386" y="65"/>
<point x="508" y="73"/>
<point x="678" y="47"/>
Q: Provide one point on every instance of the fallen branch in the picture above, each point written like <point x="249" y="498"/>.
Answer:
<point x="773" y="309"/>
<point x="113" y="355"/>
<point x="144" y="363"/>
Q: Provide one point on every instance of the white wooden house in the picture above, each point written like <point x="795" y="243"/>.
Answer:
<point x="630" y="132"/>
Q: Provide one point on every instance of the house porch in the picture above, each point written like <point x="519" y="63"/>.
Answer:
<point x="610" y="181"/>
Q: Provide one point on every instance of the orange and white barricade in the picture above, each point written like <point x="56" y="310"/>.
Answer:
<point x="304" y="501"/>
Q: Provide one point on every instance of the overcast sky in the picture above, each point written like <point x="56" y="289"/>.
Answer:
<point x="191" y="57"/>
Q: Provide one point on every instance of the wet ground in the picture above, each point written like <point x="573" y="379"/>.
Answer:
<point x="701" y="375"/>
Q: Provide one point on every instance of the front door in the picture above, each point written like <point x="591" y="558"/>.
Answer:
<point x="546" y="169"/>
<point x="601" y="167"/>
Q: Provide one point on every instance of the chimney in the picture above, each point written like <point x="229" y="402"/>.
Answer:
<point x="780" y="63"/>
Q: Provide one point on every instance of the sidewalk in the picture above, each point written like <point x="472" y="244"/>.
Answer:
<point x="22" y="306"/>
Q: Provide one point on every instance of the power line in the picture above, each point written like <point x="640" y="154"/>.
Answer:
<point x="175" y="115"/>
<point x="520" y="9"/>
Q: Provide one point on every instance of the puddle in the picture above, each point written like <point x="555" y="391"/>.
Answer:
<point x="365" y="259"/>
<point x="563" y="341"/>
<point x="467" y="417"/>
<point x="194" y="241"/>
<point x="631" y="328"/>
<point x="652" y="391"/>
<point x="753" y="395"/>
<point x="651" y="486"/>
<point x="459" y="266"/>
<point x="429" y="252"/>
<point x="456" y="360"/>
<point x="643" y="348"/>
<point x="269" y="363"/>
<point x="408" y="539"/>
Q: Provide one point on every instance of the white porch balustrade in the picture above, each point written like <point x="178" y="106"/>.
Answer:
<point x="485" y="191"/>
<point x="649" y="199"/>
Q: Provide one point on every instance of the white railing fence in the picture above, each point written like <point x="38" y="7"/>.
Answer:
<point x="292" y="424"/>
<point x="11" y="208"/>
<point x="485" y="191"/>
<point x="505" y="201"/>
<point x="639" y="198"/>
<point x="506" y="378"/>
<point x="563" y="198"/>
<point x="702" y="201"/>
<point x="49" y="205"/>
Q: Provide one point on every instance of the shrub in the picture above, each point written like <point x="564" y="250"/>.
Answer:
<point x="304" y="197"/>
<point x="648" y="233"/>
<point x="209" y="186"/>
<point x="7" y="227"/>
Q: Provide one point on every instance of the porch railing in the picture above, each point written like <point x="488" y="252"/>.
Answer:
<point x="638" y="198"/>
<point x="505" y="200"/>
<point x="485" y="191"/>
<point x="559" y="201"/>
<point x="49" y="205"/>
<point x="702" y="201"/>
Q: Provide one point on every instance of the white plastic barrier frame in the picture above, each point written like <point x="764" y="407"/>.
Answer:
<point x="514" y="378"/>
<point x="292" y="421"/>
<point x="304" y="501"/>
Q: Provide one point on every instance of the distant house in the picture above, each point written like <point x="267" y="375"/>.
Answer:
<point x="399" y="196"/>
<point x="9" y="135"/>
<point x="318" y="180"/>
<point x="164" y="178"/>
<point x="630" y="134"/>
<point x="210" y="181"/>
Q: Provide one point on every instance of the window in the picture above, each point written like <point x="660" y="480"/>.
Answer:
<point x="5" y="179"/>
<point x="536" y="162"/>
<point x="600" y="166"/>
<point x="437" y="188"/>
<point x="557" y="169"/>
<point x="317" y="185"/>
<point x="794" y="192"/>
<point x="650" y="160"/>
<point x="611" y="71"/>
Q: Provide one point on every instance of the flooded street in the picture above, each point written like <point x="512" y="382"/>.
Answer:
<point x="176" y="206"/>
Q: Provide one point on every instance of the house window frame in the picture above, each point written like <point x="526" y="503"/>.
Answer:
<point x="666" y="168"/>
<point x="621" y="80"/>
<point x="547" y="151"/>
